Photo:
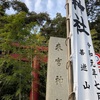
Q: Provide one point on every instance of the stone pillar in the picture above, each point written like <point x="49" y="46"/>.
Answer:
<point x="57" y="87"/>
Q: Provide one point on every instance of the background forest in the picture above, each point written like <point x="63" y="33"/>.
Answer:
<point x="21" y="33"/>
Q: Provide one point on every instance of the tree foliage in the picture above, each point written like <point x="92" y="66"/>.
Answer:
<point x="93" y="9"/>
<point x="55" y="27"/>
<point x="93" y="12"/>
<point x="96" y="40"/>
<point x="18" y="41"/>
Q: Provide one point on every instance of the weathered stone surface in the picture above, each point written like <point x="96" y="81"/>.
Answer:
<point x="57" y="72"/>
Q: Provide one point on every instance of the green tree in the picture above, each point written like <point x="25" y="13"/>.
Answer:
<point x="93" y="13"/>
<point x="15" y="74"/>
<point x="96" y="40"/>
<point x="18" y="35"/>
<point x="93" y="9"/>
<point x="55" y="27"/>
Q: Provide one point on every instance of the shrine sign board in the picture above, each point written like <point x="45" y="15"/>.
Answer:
<point x="85" y="69"/>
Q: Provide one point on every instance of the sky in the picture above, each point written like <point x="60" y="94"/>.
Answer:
<point x="50" y="6"/>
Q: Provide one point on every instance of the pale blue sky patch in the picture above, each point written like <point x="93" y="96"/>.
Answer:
<point x="50" y="6"/>
<point x="29" y="4"/>
<point x="10" y="11"/>
<point x="61" y="6"/>
<point x="38" y="6"/>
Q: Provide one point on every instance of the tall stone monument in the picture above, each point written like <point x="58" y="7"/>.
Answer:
<point x="57" y="72"/>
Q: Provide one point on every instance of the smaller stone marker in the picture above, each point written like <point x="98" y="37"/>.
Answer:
<point x="57" y="88"/>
